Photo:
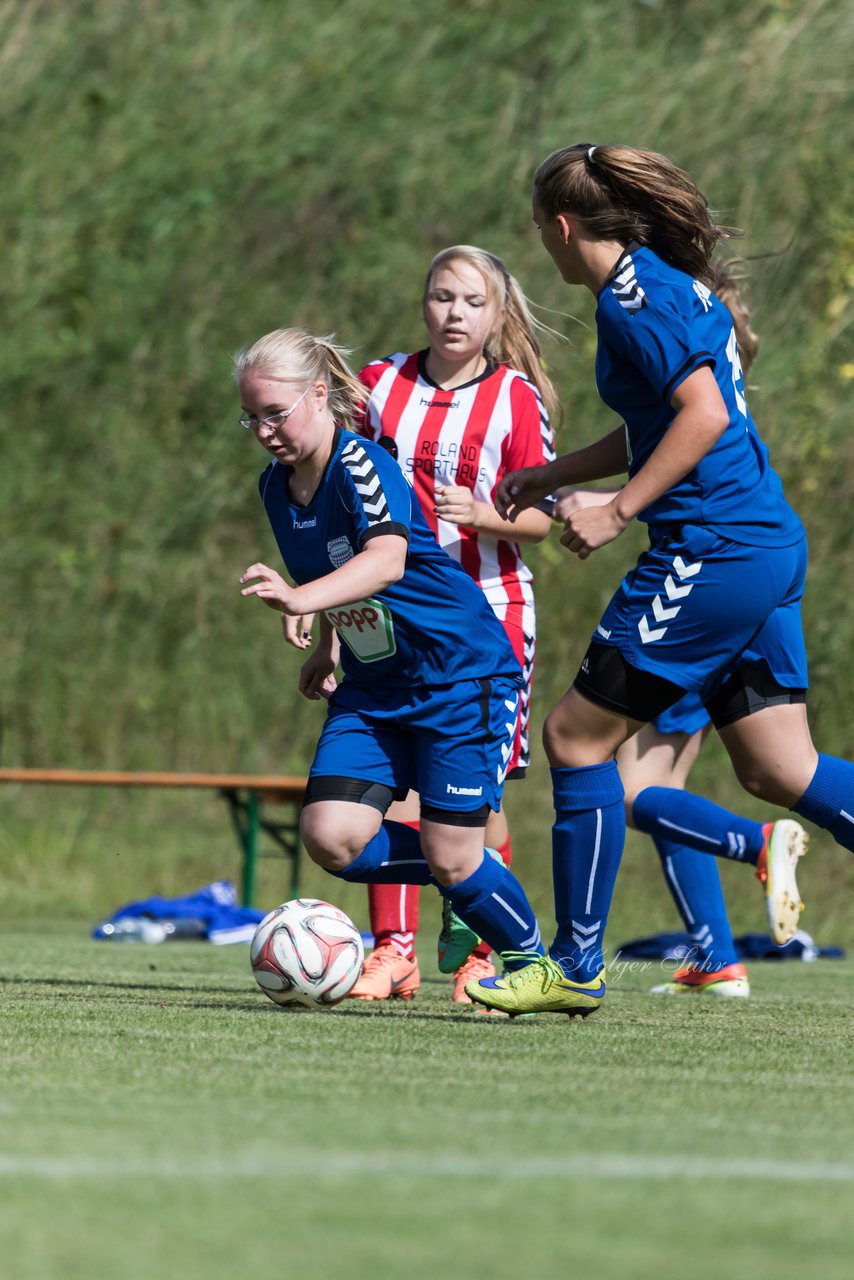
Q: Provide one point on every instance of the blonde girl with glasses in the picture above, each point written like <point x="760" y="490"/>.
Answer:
<point x="429" y="693"/>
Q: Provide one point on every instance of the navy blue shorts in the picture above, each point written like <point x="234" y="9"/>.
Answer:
<point x="697" y="605"/>
<point x="452" y="743"/>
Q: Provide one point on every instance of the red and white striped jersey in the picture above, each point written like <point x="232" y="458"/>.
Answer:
<point x="471" y="435"/>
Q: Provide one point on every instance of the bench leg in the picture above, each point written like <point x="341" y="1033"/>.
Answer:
<point x="250" y="847"/>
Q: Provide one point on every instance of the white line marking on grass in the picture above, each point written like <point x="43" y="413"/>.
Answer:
<point x="355" y="1164"/>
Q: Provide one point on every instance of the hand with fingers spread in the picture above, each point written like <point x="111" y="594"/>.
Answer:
<point x="271" y="588"/>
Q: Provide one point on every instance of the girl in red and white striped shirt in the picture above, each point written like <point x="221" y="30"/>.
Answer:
<point x="458" y="415"/>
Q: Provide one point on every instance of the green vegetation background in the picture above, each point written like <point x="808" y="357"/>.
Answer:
<point x="181" y="177"/>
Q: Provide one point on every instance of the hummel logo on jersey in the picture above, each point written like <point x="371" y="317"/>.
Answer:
<point x="339" y="551"/>
<point x="600" y="630"/>
<point x="626" y="289"/>
<point x="305" y="524"/>
<point x="440" y="404"/>
<point x="463" y="791"/>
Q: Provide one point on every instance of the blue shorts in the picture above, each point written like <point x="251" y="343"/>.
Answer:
<point x="685" y="716"/>
<point x="697" y="605"/>
<point x="452" y="743"/>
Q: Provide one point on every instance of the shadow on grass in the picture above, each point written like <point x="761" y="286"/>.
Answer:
<point x="348" y="1009"/>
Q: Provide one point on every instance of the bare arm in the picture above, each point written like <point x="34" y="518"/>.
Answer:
<point x="701" y="419"/>
<point x="378" y="565"/>
<point x="569" y="500"/>
<point x="521" y="489"/>
<point x="456" y="505"/>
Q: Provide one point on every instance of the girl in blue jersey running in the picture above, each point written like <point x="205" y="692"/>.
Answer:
<point x="430" y="690"/>
<point x="713" y="606"/>
<point x="663" y="753"/>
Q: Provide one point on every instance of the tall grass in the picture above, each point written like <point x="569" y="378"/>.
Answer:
<point x="181" y="177"/>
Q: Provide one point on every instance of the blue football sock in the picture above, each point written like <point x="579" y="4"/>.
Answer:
<point x="695" y="885"/>
<point x="393" y="856"/>
<point x="829" y="800"/>
<point x="587" y="845"/>
<point x="664" y="812"/>
<point x="492" y="902"/>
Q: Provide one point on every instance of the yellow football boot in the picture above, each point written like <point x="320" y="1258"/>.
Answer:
<point x="541" y="986"/>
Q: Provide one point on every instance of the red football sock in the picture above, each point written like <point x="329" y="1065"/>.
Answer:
<point x="506" y="851"/>
<point x="394" y="914"/>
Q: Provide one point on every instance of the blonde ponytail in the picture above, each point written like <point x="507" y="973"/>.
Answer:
<point x="293" y="355"/>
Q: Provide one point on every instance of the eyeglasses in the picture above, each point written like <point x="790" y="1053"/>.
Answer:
<point x="250" y="423"/>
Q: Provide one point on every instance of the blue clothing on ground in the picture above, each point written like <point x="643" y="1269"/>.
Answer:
<point x="748" y="946"/>
<point x="214" y="905"/>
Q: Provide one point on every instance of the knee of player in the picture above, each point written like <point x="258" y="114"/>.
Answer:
<point x="556" y="741"/>
<point x="772" y="784"/>
<point x="326" y="843"/>
<point x="568" y="750"/>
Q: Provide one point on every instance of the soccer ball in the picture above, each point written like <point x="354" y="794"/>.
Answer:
<point x="306" y="952"/>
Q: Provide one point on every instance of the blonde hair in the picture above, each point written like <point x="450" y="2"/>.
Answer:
<point x="515" y="340"/>
<point x="293" y="355"/>
<point x="624" y="194"/>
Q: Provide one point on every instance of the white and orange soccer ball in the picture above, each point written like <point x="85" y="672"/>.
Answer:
<point x="306" y="952"/>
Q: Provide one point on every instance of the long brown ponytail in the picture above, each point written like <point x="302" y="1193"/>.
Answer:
<point x="624" y="194"/>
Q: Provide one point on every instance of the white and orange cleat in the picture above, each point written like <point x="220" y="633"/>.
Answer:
<point x="693" y="980"/>
<point x="785" y="842"/>
<point x="387" y="975"/>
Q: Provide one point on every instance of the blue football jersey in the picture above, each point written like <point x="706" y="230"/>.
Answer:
<point x="434" y="626"/>
<point x="656" y="326"/>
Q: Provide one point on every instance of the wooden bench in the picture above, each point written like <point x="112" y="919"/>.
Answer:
<point x="246" y="796"/>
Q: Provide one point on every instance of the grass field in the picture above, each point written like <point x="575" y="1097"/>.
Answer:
<point x="161" y="1118"/>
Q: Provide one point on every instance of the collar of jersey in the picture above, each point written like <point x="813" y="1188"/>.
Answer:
<point x="631" y="247"/>
<point x="287" y="471"/>
<point x="491" y="366"/>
